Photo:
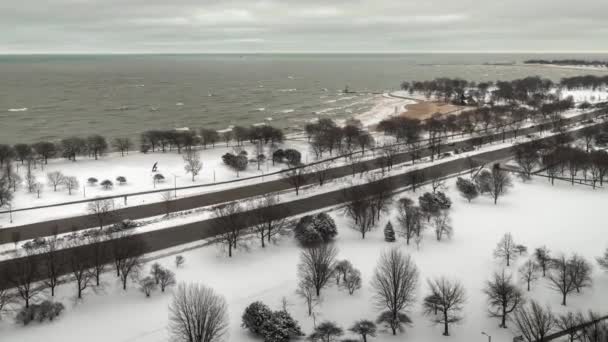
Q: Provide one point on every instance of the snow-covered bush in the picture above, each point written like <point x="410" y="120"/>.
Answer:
<point x="432" y="203"/>
<point x="158" y="178"/>
<point x="92" y="181"/>
<point x="278" y="156"/>
<point x="293" y="157"/>
<point x="467" y="188"/>
<point x="107" y="184"/>
<point x="281" y="327"/>
<point x="121" y="180"/>
<point x="255" y="315"/>
<point x="39" y="312"/>
<point x="312" y="230"/>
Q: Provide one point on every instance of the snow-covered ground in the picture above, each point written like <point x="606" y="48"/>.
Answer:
<point x="535" y="213"/>
<point x="136" y="167"/>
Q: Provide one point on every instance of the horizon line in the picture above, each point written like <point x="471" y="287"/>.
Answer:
<point x="126" y="53"/>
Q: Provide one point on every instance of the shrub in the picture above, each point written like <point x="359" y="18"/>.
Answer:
<point x="121" y="180"/>
<point x="39" y="312"/>
<point x="107" y="184"/>
<point x="432" y="203"/>
<point x="312" y="230"/>
<point x="254" y="317"/>
<point x="293" y="157"/>
<point x="278" y="156"/>
<point x="281" y="327"/>
<point x="158" y="178"/>
<point x="277" y="326"/>
<point x="92" y="181"/>
<point x="467" y="188"/>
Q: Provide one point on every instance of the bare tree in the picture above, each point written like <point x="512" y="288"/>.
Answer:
<point x="147" y="285"/>
<point x="193" y="163"/>
<point x="70" y="183"/>
<point x="55" y="178"/>
<point x="316" y="266"/>
<point x="533" y="321"/>
<point x="437" y="184"/>
<point x="500" y="182"/>
<point x="166" y="278"/>
<point x="543" y="257"/>
<point x="444" y="303"/>
<point x="321" y="172"/>
<point x="580" y="269"/>
<point x="442" y="225"/>
<point x="503" y="296"/>
<point x="123" y="145"/>
<point x="528" y="272"/>
<point x="364" y="328"/>
<point x="197" y="314"/>
<point x="410" y="221"/>
<point x="561" y="277"/>
<point x="22" y="274"/>
<point x="307" y="291"/>
<point x="228" y="225"/>
<point x="352" y="280"/>
<point x="101" y="209"/>
<point x="267" y="219"/>
<point x="99" y="251"/>
<point x="7" y="299"/>
<point x="394" y="283"/>
<point x="506" y="249"/>
<point x="53" y="262"/>
<point x="296" y="177"/>
<point x="79" y="266"/>
<point x="569" y="322"/>
<point x="128" y="257"/>
<point x="527" y="157"/>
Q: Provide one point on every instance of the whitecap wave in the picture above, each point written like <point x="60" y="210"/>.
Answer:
<point x="291" y="90"/>
<point x="287" y="111"/>
<point x="17" y="109"/>
<point x="261" y="109"/>
<point x="179" y="104"/>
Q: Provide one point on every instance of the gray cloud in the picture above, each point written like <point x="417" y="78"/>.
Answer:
<point x="301" y="26"/>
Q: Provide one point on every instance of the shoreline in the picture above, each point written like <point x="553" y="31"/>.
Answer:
<point x="568" y="67"/>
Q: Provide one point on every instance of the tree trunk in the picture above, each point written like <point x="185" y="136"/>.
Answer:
<point x="445" y="324"/>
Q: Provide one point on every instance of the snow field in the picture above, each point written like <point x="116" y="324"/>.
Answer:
<point x="564" y="218"/>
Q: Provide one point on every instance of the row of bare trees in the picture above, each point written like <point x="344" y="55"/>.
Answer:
<point x="82" y="258"/>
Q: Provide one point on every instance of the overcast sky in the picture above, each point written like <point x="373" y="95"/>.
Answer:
<point x="90" y="26"/>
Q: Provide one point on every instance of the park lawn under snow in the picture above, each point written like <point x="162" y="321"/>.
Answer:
<point x="565" y="218"/>
<point x="137" y="168"/>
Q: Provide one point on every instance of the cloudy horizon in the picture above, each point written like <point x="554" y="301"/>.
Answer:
<point x="241" y="26"/>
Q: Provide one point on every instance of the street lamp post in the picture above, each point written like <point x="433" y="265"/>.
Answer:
<point x="489" y="337"/>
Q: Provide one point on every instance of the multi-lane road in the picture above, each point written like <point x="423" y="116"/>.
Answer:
<point x="174" y="236"/>
<point x="70" y="224"/>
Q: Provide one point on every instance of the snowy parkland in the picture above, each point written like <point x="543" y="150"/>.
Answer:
<point x="565" y="218"/>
